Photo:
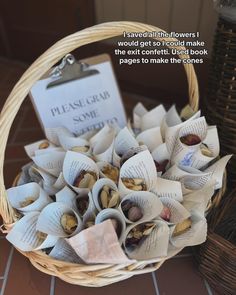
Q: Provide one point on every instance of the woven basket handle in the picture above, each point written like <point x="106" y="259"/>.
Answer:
<point x="48" y="60"/>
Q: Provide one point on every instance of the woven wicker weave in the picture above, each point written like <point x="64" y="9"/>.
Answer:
<point x="220" y="101"/>
<point x="217" y="256"/>
<point x="86" y="275"/>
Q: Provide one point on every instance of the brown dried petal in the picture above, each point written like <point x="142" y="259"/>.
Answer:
<point x="69" y="223"/>
<point x="85" y="179"/>
<point x="104" y="199"/>
<point x="44" y="145"/>
<point x="149" y="229"/>
<point x="205" y="150"/>
<point x="115" y="198"/>
<point x="182" y="227"/>
<point x="111" y="172"/>
<point x="80" y="149"/>
<point x="28" y="201"/>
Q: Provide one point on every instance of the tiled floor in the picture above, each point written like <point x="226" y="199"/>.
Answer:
<point x="178" y="276"/>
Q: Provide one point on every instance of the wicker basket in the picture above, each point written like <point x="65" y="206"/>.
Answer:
<point x="220" y="101"/>
<point x="86" y="275"/>
<point x="217" y="256"/>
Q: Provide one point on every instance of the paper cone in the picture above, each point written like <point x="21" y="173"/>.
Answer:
<point x="30" y="191"/>
<point x="148" y="203"/>
<point x="49" y="220"/>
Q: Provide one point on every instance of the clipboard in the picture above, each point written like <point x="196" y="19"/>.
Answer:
<point x="88" y="69"/>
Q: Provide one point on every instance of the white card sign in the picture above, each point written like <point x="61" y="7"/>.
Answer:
<point x="80" y="105"/>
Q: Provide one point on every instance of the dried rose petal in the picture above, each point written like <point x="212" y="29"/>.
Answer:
<point x="190" y="139"/>
<point x="165" y="214"/>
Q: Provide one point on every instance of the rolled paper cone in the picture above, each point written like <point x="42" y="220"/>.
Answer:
<point x="69" y="142"/>
<point x="191" y="183"/>
<point x="116" y="159"/>
<point x="43" y="144"/>
<point x="102" y="165"/>
<point x="74" y="164"/>
<point x="47" y="181"/>
<point x="102" y="133"/>
<point x="177" y="211"/>
<point x="123" y="142"/>
<point x="49" y="242"/>
<point x="160" y="153"/>
<point x="24" y="176"/>
<point x="49" y="220"/>
<point x="68" y="197"/>
<point x="48" y="151"/>
<point x="172" y="132"/>
<point x="50" y="162"/>
<point x="103" y="151"/>
<point x="183" y="153"/>
<point x="125" y="191"/>
<point x="91" y="212"/>
<point x="64" y="252"/>
<point x="31" y="192"/>
<point x="132" y="152"/>
<point x="195" y="235"/>
<point x="112" y="214"/>
<point x="53" y="133"/>
<point x="97" y="189"/>
<point x="140" y="166"/>
<point x="208" y="150"/>
<point x="151" y="138"/>
<point x="148" y="203"/>
<point x="198" y="201"/>
<point x="153" y="118"/>
<point x="60" y="182"/>
<point x="138" y="112"/>
<point x="155" y="245"/>
<point x="25" y="236"/>
<point x="176" y="172"/>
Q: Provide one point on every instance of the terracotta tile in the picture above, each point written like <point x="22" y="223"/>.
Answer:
<point x="179" y="276"/>
<point x="11" y="170"/>
<point x="5" y="248"/>
<point x="24" y="279"/>
<point x="29" y="136"/>
<point x="138" y="285"/>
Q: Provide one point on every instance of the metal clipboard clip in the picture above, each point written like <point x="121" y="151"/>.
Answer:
<point x="70" y="70"/>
